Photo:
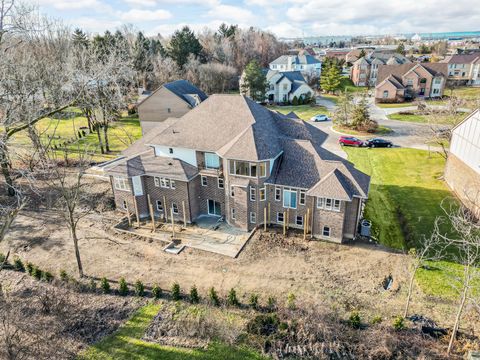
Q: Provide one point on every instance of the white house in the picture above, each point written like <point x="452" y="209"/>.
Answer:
<point x="307" y="64"/>
<point x="285" y="86"/>
<point x="462" y="171"/>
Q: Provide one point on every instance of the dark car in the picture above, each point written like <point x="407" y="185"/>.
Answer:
<point x="350" y="141"/>
<point x="377" y="142"/>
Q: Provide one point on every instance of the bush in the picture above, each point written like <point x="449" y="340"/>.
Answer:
<point x="291" y="301"/>
<point x="194" y="297"/>
<point x="104" y="284"/>
<point x="156" y="292"/>
<point x="63" y="275"/>
<point x="253" y="301"/>
<point x="122" y="287"/>
<point x="263" y="324"/>
<point x="271" y="303"/>
<point x="355" y="320"/>
<point x="29" y="268"/>
<point x="176" y="291"/>
<point x="18" y="264"/>
<point x="47" y="276"/>
<point x="139" y="288"/>
<point x="36" y="272"/>
<point x="295" y="101"/>
<point x="213" y="296"/>
<point x="2" y="259"/>
<point x="232" y="299"/>
<point x="92" y="285"/>
<point x="399" y="323"/>
<point x="377" y="319"/>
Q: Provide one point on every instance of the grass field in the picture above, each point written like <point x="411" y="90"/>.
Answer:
<point x="382" y="130"/>
<point x="433" y="119"/>
<point x="127" y="343"/>
<point x="65" y="129"/>
<point x="395" y="105"/>
<point x="304" y="112"/>
<point x="405" y="192"/>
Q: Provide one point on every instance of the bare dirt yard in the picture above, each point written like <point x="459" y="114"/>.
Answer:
<point x="343" y="277"/>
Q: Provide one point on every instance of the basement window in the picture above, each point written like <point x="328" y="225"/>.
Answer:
<point x="326" y="231"/>
<point x="232" y="211"/>
<point x="253" y="217"/>
<point x="124" y="204"/>
<point x="159" y="205"/>
<point x="299" y="220"/>
<point x="280" y="217"/>
<point x="175" y="208"/>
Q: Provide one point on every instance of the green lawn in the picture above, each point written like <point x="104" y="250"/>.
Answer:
<point x="394" y="105"/>
<point x="347" y="84"/>
<point x="405" y="192"/>
<point x="305" y="112"/>
<point x="127" y="343"/>
<point x="433" y="118"/>
<point x="121" y="134"/>
<point x="382" y="130"/>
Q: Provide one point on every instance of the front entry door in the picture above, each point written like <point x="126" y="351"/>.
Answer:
<point x="214" y="208"/>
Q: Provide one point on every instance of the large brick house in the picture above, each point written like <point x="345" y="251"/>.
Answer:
<point x="463" y="69"/>
<point x="397" y="83"/>
<point x="233" y="158"/>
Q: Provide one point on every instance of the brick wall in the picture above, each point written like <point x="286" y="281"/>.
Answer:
<point x="464" y="181"/>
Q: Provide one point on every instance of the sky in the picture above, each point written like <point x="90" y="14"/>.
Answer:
<point x="285" y="18"/>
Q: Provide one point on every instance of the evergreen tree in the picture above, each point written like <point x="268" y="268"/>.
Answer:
<point x="226" y="31"/>
<point x="254" y="81"/>
<point x="182" y="44"/>
<point x="79" y="38"/>
<point x="400" y="49"/>
<point x="362" y="54"/>
<point x="141" y="60"/>
<point x="331" y="79"/>
<point x="360" y="114"/>
<point x="343" y="110"/>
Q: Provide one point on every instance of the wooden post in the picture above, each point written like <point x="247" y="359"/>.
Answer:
<point x="184" y="215"/>
<point x="128" y="215"/>
<point x="165" y="209"/>
<point x="269" y="222"/>
<point x="265" y="219"/>
<point x="305" y="225"/>
<point x="288" y="217"/>
<point x="136" y="211"/>
<point x="152" y="215"/>
<point x="173" y="223"/>
<point x="284" y="223"/>
<point x="311" y="231"/>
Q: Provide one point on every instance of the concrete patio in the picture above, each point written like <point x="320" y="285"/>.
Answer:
<point x="208" y="234"/>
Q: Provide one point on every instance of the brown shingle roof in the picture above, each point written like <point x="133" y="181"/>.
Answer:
<point x="461" y="59"/>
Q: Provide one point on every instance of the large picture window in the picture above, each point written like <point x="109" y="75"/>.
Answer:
<point x="289" y="198"/>
<point x="212" y="161"/>
<point x="121" y="183"/>
<point x="244" y="168"/>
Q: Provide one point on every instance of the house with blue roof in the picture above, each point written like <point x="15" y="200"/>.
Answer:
<point x="308" y="65"/>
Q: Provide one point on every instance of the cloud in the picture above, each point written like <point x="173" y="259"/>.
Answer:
<point x="142" y="3"/>
<point x="75" y="4"/>
<point x="94" y="25"/>
<point x="233" y="14"/>
<point x="137" y="15"/>
<point x="284" y="29"/>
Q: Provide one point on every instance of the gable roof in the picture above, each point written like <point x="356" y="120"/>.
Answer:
<point x="184" y="90"/>
<point x="461" y="59"/>
<point x="397" y="71"/>
<point x="292" y="76"/>
<point x="296" y="59"/>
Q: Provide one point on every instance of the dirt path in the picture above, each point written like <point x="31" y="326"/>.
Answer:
<point x="345" y="277"/>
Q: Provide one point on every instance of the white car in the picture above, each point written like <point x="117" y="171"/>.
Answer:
<point x="321" y="117"/>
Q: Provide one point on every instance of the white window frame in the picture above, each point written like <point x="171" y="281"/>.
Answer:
<point x="232" y="191"/>
<point x="164" y="183"/>
<point x="262" y="194"/>
<point x="320" y="202"/>
<point x="278" y="215"/>
<point x="253" y="217"/>
<point x="328" y="200"/>
<point x="329" y="231"/>
<point x="299" y="223"/>
<point x="172" y="184"/>
<point x="253" y="193"/>
<point x="232" y="171"/>
<point x="121" y="183"/>
<point x="124" y="204"/>
<point x="204" y="180"/>
<point x="232" y="213"/>
<point x="156" y="181"/>
<point x="336" y="205"/>
<point x="302" y="197"/>
<point x="175" y="208"/>
<point x="159" y="205"/>
<point x="290" y="191"/>
<point x="222" y="182"/>
<point x="211" y="156"/>
<point x="278" y="194"/>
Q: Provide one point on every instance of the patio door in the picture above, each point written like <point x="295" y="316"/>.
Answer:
<point x="214" y="208"/>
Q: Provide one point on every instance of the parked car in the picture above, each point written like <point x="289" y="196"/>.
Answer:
<point x="320" y="117"/>
<point x="350" y="141"/>
<point x="377" y="142"/>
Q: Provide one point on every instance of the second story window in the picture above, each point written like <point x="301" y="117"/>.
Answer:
<point x="220" y="183"/>
<point x="253" y="193"/>
<point x="301" y="199"/>
<point x="204" y="180"/>
<point x="262" y="194"/>
<point x="212" y="161"/>
<point x="278" y="194"/>
<point x="121" y="183"/>
<point x="289" y="198"/>
<point x="244" y="168"/>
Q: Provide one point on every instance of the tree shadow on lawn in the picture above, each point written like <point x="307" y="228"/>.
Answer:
<point x="404" y="215"/>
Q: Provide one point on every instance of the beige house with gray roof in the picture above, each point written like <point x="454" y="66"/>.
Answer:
<point x="233" y="158"/>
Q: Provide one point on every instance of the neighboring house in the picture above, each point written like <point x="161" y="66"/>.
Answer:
<point x="285" y="86"/>
<point x="397" y="83"/>
<point x="463" y="69"/>
<point x="233" y="158"/>
<point x="462" y="171"/>
<point x="173" y="99"/>
<point x="307" y="64"/>
<point x="365" y="70"/>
